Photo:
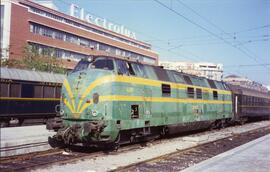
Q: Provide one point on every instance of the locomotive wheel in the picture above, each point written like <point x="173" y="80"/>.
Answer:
<point x="243" y="121"/>
<point x="21" y="122"/>
<point x="114" y="145"/>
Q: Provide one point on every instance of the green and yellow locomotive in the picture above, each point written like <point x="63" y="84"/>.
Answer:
<point x="109" y="100"/>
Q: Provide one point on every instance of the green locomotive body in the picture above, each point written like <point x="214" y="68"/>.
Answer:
<point x="107" y="98"/>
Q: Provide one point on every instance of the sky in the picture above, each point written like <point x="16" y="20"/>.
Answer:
<point x="235" y="33"/>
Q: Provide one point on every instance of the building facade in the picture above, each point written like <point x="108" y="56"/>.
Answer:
<point x="24" y="22"/>
<point x="208" y="70"/>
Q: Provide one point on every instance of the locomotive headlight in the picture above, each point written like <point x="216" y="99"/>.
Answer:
<point x="62" y="112"/>
<point x="94" y="113"/>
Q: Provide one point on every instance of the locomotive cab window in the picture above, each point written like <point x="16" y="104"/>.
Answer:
<point x="122" y="67"/>
<point x="103" y="63"/>
<point x="215" y="95"/>
<point x="190" y="92"/>
<point x="166" y="90"/>
<point x="82" y="65"/>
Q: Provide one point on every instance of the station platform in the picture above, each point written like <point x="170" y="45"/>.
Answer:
<point x="21" y="140"/>
<point x="250" y="157"/>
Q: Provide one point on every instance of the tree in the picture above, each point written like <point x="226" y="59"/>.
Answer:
<point x="32" y="59"/>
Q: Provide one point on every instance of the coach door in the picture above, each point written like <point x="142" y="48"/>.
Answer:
<point x="236" y="106"/>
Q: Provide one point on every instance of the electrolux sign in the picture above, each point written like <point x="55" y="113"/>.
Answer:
<point x="78" y="12"/>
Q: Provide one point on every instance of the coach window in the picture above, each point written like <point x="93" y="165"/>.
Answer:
<point x="199" y="93"/>
<point x="48" y="92"/>
<point x="244" y="102"/>
<point x="190" y="92"/>
<point x="15" y="90"/>
<point x="57" y="92"/>
<point x="103" y="63"/>
<point x="166" y="90"/>
<point x="27" y="90"/>
<point x="38" y="92"/>
<point x="215" y="95"/>
<point x="4" y="90"/>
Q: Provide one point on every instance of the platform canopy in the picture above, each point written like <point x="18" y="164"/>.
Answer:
<point x="30" y="75"/>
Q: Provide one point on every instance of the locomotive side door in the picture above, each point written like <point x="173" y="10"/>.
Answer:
<point x="147" y="102"/>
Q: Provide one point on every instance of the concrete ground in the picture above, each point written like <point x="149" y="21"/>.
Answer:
<point x="114" y="161"/>
<point x="18" y="136"/>
<point x="250" y="157"/>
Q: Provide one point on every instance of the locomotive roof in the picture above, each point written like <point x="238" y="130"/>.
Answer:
<point x="209" y="82"/>
<point x="29" y="75"/>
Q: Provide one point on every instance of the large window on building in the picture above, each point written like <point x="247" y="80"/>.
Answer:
<point x="2" y="25"/>
<point x="56" y="52"/>
<point x="74" y="39"/>
<point x="85" y="27"/>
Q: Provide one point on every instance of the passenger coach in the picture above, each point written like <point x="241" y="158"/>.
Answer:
<point x="249" y="103"/>
<point x="28" y="95"/>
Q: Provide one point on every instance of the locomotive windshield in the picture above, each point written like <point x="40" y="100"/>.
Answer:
<point x="97" y="63"/>
<point x="82" y="65"/>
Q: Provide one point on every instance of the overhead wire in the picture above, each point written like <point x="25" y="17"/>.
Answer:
<point x="207" y="30"/>
<point x="223" y="31"/>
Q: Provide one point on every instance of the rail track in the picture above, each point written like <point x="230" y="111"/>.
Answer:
<point x="184" y="158"/>
<point x="50" y="157"/>
<point x="23" y="146"/>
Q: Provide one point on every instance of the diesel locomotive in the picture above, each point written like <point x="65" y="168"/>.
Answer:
<point x="108" y="100"/>
<point x="26" y="94"/>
